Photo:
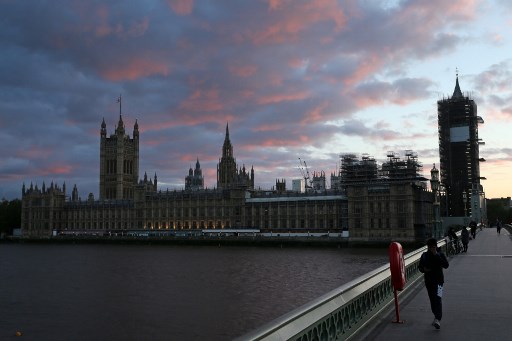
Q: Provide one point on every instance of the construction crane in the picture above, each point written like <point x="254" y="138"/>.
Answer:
<point x="303" y="168"/>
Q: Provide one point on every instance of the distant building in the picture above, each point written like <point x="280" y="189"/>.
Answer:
<point x="459" y="156"/>
<point x="298" y="185"/>
<point x="228" y="174"/>
<point x="280" y="185"/>
<point x="194" y="180"/>
<point x="370" y="204"/>
<point x="318" y="182"/>
<point x="387" y="203"/>
<point x="119" y="162"/>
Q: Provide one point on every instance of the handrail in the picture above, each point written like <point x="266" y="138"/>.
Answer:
<point x="342" y="312"/>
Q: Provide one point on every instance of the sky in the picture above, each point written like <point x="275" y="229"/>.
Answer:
<point x="293" y="79"/>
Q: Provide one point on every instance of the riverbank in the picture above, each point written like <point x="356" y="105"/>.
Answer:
<point x="328" y="242"/>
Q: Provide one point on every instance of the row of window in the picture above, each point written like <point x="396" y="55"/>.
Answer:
<point x="378" y="223"/>
<point x="111" y="166"/>
<point x="265" y="224"/>
<point x="400" y="207"/>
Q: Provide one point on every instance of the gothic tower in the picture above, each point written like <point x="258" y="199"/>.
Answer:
<point x="194" y="180"/>
<point x="228" y="176"/>
<point x="226" y="169"/>
<point x="119" y="161"/>
<point x="459" y="152"/>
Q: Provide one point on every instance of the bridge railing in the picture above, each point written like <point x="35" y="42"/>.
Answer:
<point x="344" y="311"/>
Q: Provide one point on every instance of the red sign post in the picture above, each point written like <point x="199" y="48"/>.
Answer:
<point x="397" y="268"/>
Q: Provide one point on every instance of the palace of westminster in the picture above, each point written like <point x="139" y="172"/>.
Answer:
<point x="365" y="202"/>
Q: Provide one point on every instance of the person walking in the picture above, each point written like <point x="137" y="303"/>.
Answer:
<point x="432" y="263"/>
<point x="464" y="237"/>
<point x="472" y="225"/>
<point x="498" y="226"/>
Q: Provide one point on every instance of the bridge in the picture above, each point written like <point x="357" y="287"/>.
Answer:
<point x="476" y="302"/>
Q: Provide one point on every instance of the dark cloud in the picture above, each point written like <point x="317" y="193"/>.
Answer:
<point x="280" y="75"/>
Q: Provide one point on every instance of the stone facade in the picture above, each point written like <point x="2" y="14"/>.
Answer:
<point x="389" y="211"/>
<point x="119" y="162"/>
<point x="370" y="210"/>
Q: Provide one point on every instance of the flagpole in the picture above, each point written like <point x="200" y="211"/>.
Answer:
<point x="119" y="100"/>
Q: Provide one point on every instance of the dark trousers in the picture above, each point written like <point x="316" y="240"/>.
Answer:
<point x="436" y="304"/>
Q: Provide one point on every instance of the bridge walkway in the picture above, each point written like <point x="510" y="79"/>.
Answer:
<point x="477" y="298"/>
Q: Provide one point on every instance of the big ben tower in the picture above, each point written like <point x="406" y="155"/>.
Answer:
<point x="119" y="161"/>
<point x="459" y="155"/>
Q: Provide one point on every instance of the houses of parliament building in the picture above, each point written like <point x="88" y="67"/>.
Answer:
<point x="365" y="202"/>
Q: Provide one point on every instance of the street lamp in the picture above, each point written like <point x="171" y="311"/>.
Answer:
<point x="465" y="200"/>
<point x="434" y="185"/>
<point x="434" y="181"/>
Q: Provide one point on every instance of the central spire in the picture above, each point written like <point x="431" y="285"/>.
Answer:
<point x="456" y="92"/>
<point x="119" y="101"/>
<point x="227" y="148"/>
<point x="120" y="124"/>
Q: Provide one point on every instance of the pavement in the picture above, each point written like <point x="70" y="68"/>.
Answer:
<point x="477" y="298"/>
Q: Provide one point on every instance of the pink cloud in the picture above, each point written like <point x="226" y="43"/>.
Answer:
<point x="274" y="4"/>
<point x="181" y="118"/>
<point x="497" y="162"/>
<point x="267" y="127"/>
<point x="102" y="27"/>
<point x="296" y="63"/>
<point x="203" y="100"/>
<point x="295" y="18"/>
<point x="135" y="69"/>
<point x="181" y="7"/>
<point x="56" y="170"/>
<point x="458" y="9"/>
<point x="314" y="115"/>
<point x="276" y="79"/>
<point x="277" y="98"/>
<point x="503" y="114"/>
<point x="247" y="94"/>
<point x="277" y="142"/>
<point x="428" y="13"/>
<point x="368" y="66"/>
<point x="367" y="100"/>
<point x="155" y="142"/>
<point x="243" y="71"/>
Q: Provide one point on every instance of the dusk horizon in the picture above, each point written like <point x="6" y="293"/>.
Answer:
<point x="308" y="79"/>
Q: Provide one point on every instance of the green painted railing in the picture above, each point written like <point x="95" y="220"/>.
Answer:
<point x="341" y="313"/>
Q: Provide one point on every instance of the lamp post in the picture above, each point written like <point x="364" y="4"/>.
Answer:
<point x="465" y="200"/>
<point x="434" y="184"/>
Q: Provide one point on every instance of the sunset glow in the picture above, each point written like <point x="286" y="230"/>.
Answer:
<point x="309" y="79"/>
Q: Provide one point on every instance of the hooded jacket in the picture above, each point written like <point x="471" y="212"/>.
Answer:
<point x="432" y="267"/>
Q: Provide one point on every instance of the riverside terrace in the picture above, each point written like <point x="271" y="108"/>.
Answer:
<point x="476" y="302"/>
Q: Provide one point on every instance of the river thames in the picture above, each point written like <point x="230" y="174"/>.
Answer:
<point x="163" y="292"/>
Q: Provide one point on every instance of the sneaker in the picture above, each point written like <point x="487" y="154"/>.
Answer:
<point x="437" y="324"/>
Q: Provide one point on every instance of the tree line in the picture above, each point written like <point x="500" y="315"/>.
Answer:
<point x="10" y="216"/>
<point x="497" y="209"/>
